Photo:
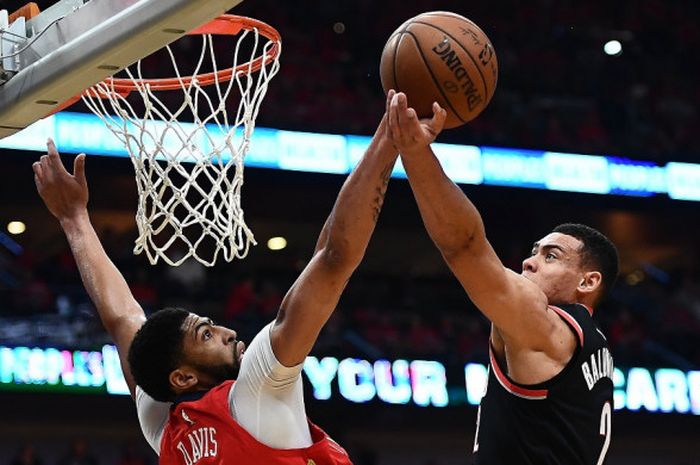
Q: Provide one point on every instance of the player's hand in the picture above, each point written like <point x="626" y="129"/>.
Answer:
<point x="65" y="194"/>
<point x="406" y="131"/>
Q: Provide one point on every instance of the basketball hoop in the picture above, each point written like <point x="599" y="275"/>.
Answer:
<point x="189" y="174"/>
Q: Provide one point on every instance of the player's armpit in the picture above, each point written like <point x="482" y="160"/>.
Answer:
<point x="306" y="308"/>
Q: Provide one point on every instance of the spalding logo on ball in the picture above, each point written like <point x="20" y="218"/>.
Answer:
<point x="441" y="57"/>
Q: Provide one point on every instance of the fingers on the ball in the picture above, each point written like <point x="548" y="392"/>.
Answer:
<point x="408" y="112"/>
<point x="396" y="99"/>
<point x="400" y="108"/>
<point x="439" y="115"/>
<point x="393" y="124"/>
<point x="402" y="100"/>
<point x="395" y="114"/>
<point x="392" y="106"/>
<point x="388" y="111"/>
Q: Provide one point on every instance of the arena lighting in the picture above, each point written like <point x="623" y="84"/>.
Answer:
<point x="464" y="164"/>
<point x="276" y="243"/>
<point x="16" y="227"/>
<point x="339" y="27"/>
<point x="613" y="48"/>
<point x="422" y="383"/>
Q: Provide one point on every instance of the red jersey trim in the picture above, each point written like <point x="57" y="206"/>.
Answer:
<point x="524" y="393"/>
<point x="569" y="319"/>
<point x="590" y="310"/>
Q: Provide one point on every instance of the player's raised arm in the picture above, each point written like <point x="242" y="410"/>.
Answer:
<point x="516" y="306"/>
<point x="339" y="250"/>
<point x="66" y="197"/>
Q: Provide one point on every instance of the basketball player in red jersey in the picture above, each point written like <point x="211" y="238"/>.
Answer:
<point x="180" y="367"/>
<point x="549" y="393"/>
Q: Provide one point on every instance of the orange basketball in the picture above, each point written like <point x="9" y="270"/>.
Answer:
<point x="441" y="57"/>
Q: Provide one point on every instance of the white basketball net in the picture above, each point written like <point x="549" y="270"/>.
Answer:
<point x="189" y="175"/>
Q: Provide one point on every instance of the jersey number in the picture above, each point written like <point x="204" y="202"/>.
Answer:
<point x="605" y="424"/>
<point x="605" y="430"/>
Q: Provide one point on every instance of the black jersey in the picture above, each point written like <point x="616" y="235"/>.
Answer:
<point x="563" y="421"/>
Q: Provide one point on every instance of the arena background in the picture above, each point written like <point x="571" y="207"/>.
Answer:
<point x="557" y="91"/>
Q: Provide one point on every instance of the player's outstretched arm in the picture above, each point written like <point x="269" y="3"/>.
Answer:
<point x="339" y="250"/>
<point x="516" y="306"/>
<point x="66" y="197"/>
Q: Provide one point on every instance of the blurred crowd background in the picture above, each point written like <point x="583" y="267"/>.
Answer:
<point x="557" y="90"/>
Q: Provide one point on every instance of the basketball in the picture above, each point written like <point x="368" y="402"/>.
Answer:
<point x="441" y="57"/>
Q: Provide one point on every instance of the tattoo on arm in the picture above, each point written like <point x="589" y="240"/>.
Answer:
<point x="381" y="191"/>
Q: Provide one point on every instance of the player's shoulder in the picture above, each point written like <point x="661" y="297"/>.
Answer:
<point x="580" y="318"/>
<point x="578" y="311"/>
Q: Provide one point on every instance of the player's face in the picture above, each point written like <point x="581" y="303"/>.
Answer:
<point x="214" y="352"/>
<point x="555" y="266"/>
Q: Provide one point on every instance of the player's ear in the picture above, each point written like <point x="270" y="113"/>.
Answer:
<point x="590" y="282"/>
<point x="182" y="379"/>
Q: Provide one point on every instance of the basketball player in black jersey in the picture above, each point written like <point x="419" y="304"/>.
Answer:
<point x="549" y="394"/>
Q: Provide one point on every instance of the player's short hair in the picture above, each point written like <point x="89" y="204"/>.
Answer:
<point x="156" y="351"/>
<point x="597" y="251"/>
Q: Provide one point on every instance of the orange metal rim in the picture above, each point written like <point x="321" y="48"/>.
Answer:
<point x="223" y="25"/>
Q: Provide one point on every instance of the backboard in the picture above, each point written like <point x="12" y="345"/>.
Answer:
<point x="52" y="57"/>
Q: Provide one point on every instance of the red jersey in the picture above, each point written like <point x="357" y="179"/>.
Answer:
<point x="203" y="432"/>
